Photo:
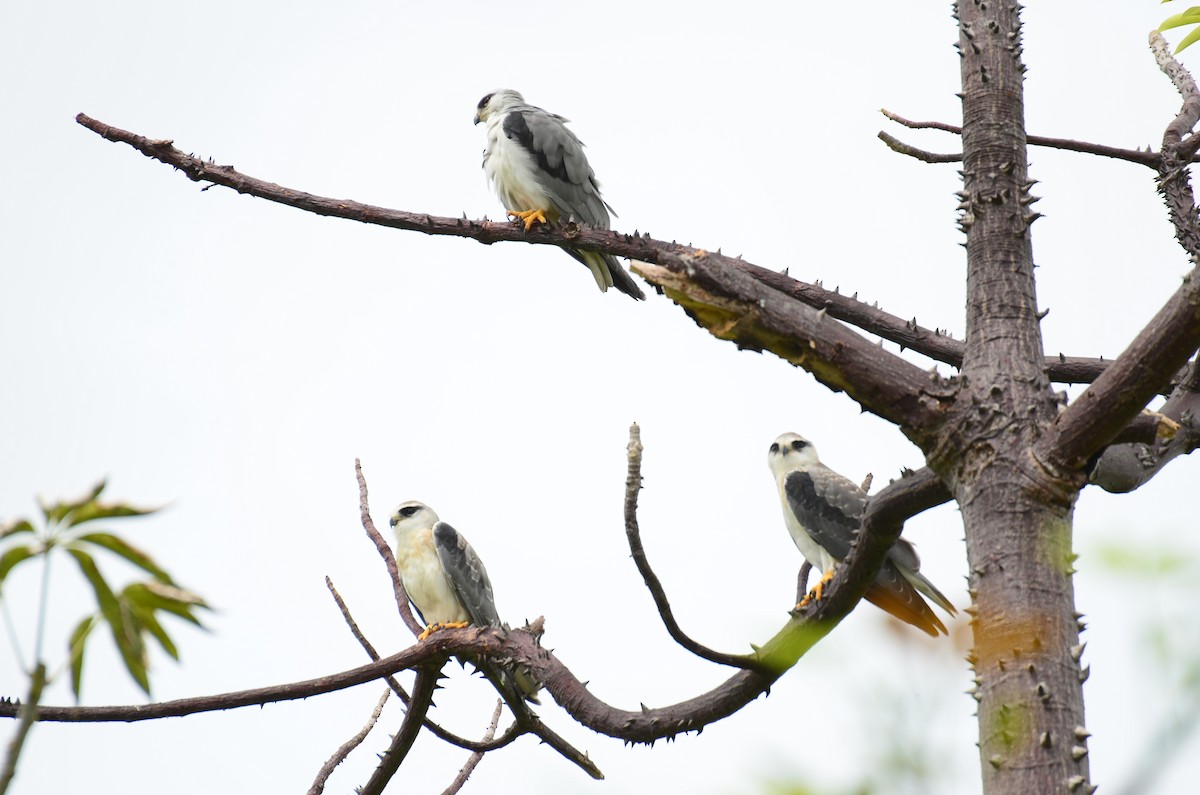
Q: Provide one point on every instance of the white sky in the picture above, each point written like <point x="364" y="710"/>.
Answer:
<point x="231" y="358"/>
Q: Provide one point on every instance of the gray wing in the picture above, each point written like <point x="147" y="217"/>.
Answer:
<point x="563" y="168"/>
<point x="466" y="574"/>
<point x="471" y="585"/>
<point x="828" y="505"/>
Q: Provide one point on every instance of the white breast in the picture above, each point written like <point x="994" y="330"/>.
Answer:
<point x="423" y="578"/>
<point x="811" y="550"/>
<point x="512" y="171"/>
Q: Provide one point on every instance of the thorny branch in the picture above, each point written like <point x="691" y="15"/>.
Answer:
<point x="385" y="552"/>
<point x="633" y="484"/>
<point x="339" y="756"/>
<point x="1172" y="336"/>
<point x="1144" y="158"/>
<point x="393" y="757"/>
<point x="933" y="343"/>
<point x="884" y="518"/>
<point x="473" y="760"/>
<point x="488" y="744"/>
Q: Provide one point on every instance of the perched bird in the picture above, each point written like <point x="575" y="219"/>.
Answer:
<point x="541" y="174"/>
<point x="449" y="586"/>
<point x="823" y="511"/>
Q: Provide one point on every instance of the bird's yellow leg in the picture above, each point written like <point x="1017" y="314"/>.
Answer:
<point x="432" y="628"/>
<point x="817" y="590"/>
<point x="530" y="217"/>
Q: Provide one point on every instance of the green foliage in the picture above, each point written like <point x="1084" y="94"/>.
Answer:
<point x="1189" y="17"/>
<point x="132" y="613"/>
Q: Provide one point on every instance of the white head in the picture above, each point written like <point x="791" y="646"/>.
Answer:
<point x="496" y="102"/>
<point x="790" y="452"/>
<point x="412" y="516"/>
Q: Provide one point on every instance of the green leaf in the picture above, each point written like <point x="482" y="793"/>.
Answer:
<point x="127" y="551"/>
<point x="13" y="528"/>
<point x="12" y="557"/>
<point x="1189" y="17"/>
<point x="1189" y="39"/>
<point x="125" y="631"/>
<point x="105" y="510"/>
<point x="150" y="623"/>
<point x="56" y="511"/>
<point x="75" y="646"/>
<point x="157" y="596"/>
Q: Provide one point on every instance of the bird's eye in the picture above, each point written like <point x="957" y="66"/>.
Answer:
<point x="408" y="510"/>
<point x="799" y="444"/>
<point x="774" y="447"/>
<point x="485" y="101"/>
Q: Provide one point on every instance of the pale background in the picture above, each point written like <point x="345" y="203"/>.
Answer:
<point x="230" y="358"/>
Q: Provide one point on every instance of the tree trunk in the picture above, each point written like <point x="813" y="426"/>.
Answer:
<point x="1016" y="512"/>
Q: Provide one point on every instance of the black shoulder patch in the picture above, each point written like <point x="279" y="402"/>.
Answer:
<point x="517" y="129"/>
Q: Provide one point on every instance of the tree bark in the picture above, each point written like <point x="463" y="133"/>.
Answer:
<point x="1017" y="513"/>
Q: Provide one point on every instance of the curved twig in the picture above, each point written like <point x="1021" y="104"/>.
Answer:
<point x="1142" y="158"/>
<point x="487" y="744"/>
<point x="390" y="761"/>
<point x="901" y="148"/>
<point x="339" y="756"/>
<point x="385" y="552"/>
<point x="469" y="767"/>
<point x="633" y="484"/>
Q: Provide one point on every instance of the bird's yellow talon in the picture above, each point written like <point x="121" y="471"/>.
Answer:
<point x="817" y="591"/>
<point x="530" y="217"/>
<point x="432" y="628"/>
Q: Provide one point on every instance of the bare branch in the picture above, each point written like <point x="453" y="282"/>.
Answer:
<point x="391" y="760"/>
<point x="385" y="552"/>
<point x="470" y="745"/>
<point x="1144" y="158"/>
<point x="339" y="756"/>
<point x="26" y="714"/>
<point x="735" y="305"/>
<point x="633" y="484"/>
<point x="1170" y="338"/>
<point x="899" y="147"/>
<point x="467" y="769"/>
<point x="802" y="580"/>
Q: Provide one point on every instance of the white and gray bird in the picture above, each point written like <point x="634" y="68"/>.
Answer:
<point x="448" y="584"/>
<point x="541" y="174"/>
<point x="823" y="511"/>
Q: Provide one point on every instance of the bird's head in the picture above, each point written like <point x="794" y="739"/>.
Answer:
<point x="498" y="101"/>
<point x="412" y="515"/>
<point x="791" y="452"/>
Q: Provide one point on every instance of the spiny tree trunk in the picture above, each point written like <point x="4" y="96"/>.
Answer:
<point x="1016" y="511"/>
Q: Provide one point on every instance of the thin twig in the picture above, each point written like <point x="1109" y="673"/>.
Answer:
<point x="27" y="713"/>
<point x="633" y="484"/>
<point x="1142" y="158"/>
<point x="465" y="772"/>
<point x="470" y="745"/>
<point x="802" y="581"/>
<point x="900" y="147"/>
<point x="385" y="552"/>
<point x="318" y="785"/>
<point x="391" y="760"/>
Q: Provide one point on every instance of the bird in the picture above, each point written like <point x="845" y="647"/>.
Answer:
<point x="823" y="511"/>
<point x="449" y="586"/>
<point x="541" y="174"/>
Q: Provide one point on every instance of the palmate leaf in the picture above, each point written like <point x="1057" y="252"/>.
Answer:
<point x="168" y="598"/>
<point x="13" y="528"/>
<point x="127" y="551"/>
<point x="75" y="647"/>
<point x="14" y="556"/>
<point x="121" y="620"/>
<point x="54" y="512"/>
<point x="88" y="509"/>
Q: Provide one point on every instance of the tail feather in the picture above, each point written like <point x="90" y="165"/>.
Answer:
<point x="892" y="593"/>
<point x="608" y="273"/>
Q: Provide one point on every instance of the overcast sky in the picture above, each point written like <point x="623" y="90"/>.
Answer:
<point x="230" y="358"/>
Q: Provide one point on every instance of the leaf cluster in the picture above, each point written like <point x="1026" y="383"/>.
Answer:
<point x="132" y="613"/>
<point x="1189" y="17"/>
